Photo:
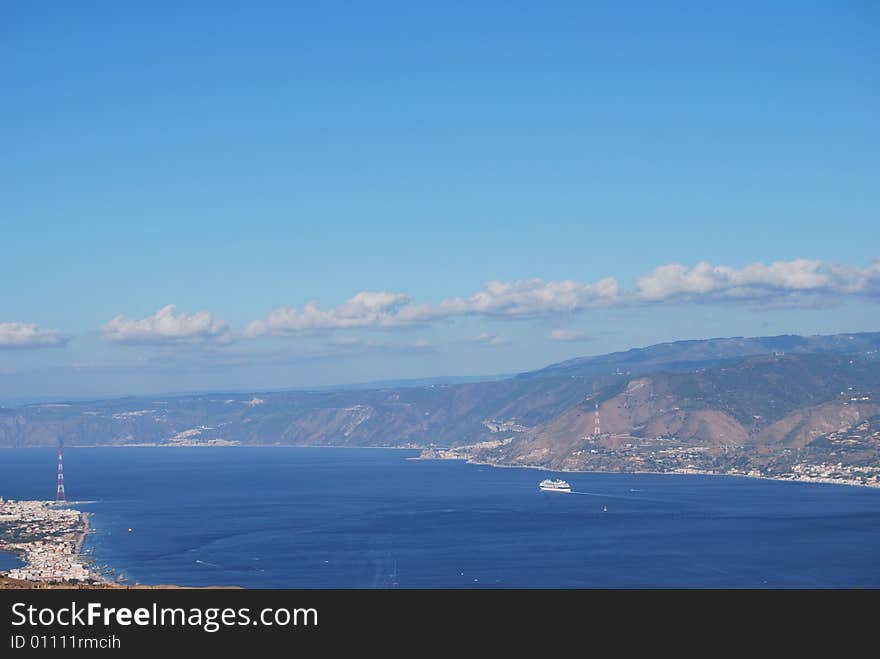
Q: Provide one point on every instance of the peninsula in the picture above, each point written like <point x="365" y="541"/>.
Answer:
<point x="49" y="539"/>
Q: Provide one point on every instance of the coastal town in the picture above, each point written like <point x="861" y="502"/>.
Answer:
<point x="844" y="457"/>
<point x="48" y="538"/>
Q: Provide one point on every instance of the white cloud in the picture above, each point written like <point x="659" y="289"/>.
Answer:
<point x="757" y="281"/>
<point x="799" y="282"/>
<point x="27" y="335"/>
<point x="531" y="297"/>
<point x="366" y="309"/>
<point x="166" y="327"/>
<point x="491" y="339"/>
<point x="566" y="335"/>
<point x="521" y="298"/>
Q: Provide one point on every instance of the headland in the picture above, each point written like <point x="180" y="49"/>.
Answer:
<point x="49" y="538"/>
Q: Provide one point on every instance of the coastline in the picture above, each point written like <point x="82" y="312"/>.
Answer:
<point x="84" y="532"/>
<point x="689" y="472"/>
<point x="84" y="525"/>
<point x="225" y="445"/>
<point x="48" y="538"/>
<point x="470" y="460"/>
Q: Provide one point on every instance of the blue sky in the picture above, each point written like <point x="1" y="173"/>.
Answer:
<point x="236" y="159"/>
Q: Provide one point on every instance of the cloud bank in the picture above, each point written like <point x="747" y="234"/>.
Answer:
<point x="27" y="335"/>
<point x="533" y="297"/>
<point x="781" y="281"/>
<point x="795" y="282"/>
<point x="165" y="326"/>
<point x="367" y="309"/>
<point x="777" y="280"/>
<point x="378" y="310"/>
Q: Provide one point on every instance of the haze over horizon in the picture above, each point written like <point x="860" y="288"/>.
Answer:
<point x="273" y="197"/>
<point x="395" y="383"/>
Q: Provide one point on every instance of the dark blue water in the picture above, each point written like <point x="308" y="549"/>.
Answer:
<point x="317" y="518"/>
<point x="9" y="561"/>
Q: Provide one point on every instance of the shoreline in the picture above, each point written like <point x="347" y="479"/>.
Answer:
<point x="222" y="446"/>
<point x="48" y="538"/>
<point x="78" y="571"/>
<point x="691" y="472"/>
<point x="62" y="531"/>
<point x="468" y="460"/>
<point x="83" y="533"/>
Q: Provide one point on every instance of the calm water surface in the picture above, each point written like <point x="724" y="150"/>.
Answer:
<point x="370" y="518"/>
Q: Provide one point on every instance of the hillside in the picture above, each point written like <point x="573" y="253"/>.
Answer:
<point x="441" y="414"/>
<point x="746" y="414"/>
<point x="690" y="355"/>
<point x="726" y="401"/>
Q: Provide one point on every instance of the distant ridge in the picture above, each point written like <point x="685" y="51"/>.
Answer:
<point x="706" y="351"/>
<point x="717" y="402"/>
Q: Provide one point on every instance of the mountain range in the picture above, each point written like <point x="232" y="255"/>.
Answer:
<point x="728" y="405"/>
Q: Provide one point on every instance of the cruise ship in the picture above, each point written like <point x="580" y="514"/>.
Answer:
<point x="558" y="485"/>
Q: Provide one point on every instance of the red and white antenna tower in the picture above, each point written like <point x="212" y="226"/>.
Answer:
<point x="60" y="496"/>
<point x="596" y="428"/>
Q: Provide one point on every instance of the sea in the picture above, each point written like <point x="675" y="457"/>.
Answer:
<point x="377" y="518"/>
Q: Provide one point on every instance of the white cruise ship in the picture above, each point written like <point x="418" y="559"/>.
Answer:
<point x="558" y="485"/>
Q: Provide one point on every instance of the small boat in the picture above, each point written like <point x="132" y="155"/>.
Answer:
<point x="557" y="485"/>
<point x="604" y="509"/>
